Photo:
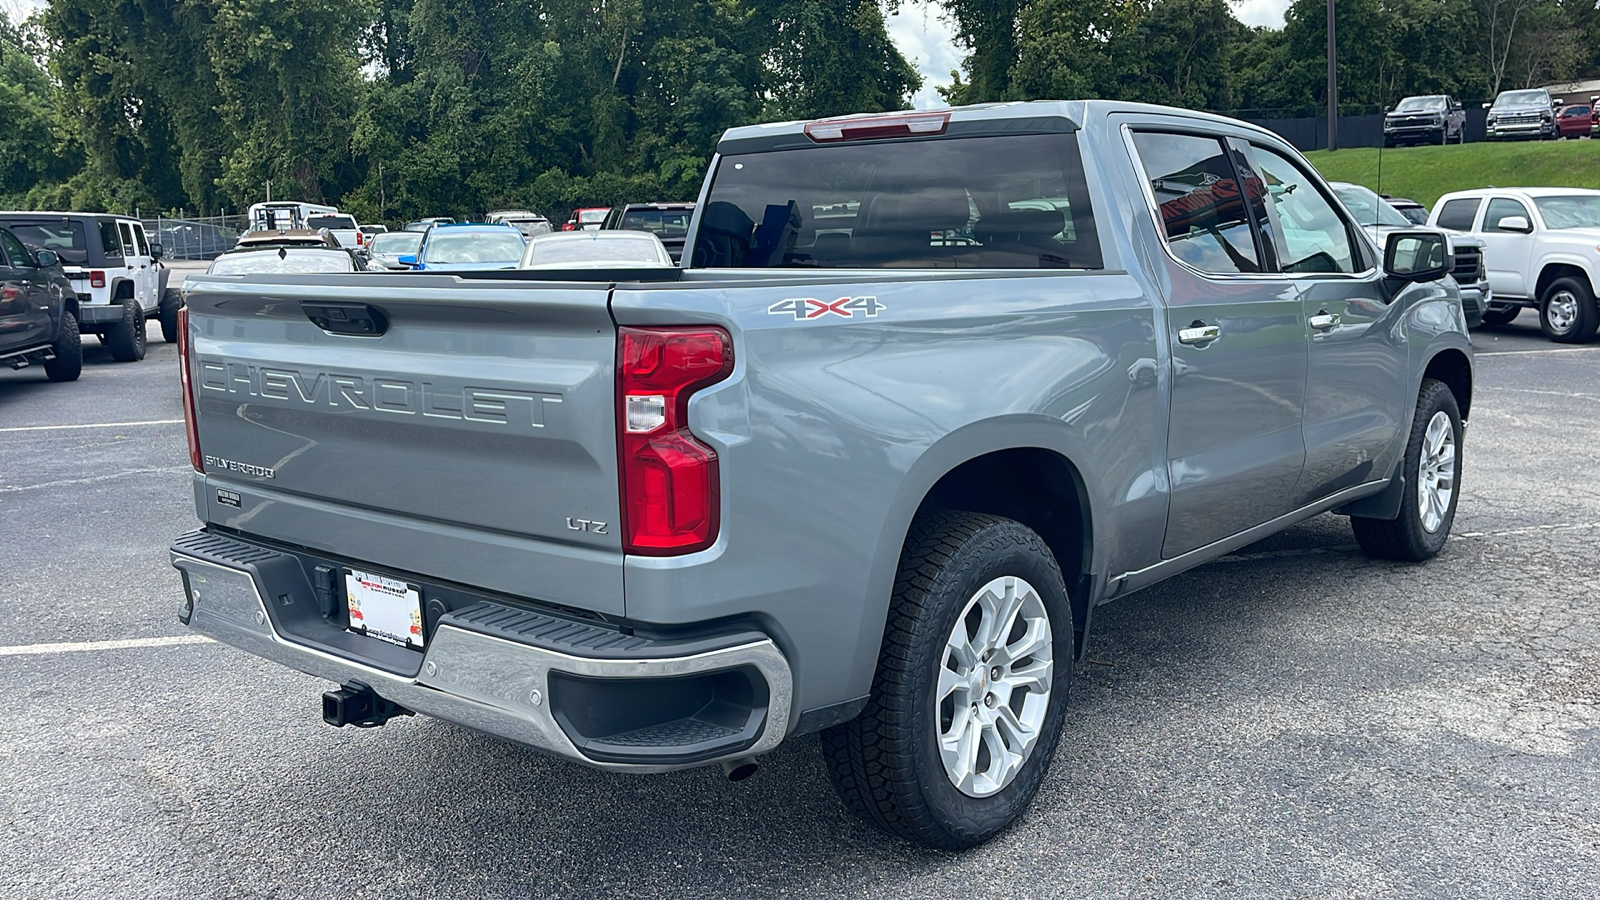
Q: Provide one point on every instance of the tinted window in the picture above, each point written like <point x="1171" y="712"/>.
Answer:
<point x="1007" y="202"/>
<point x="1202" y="208"/>
<point x="1572" y="111"/>
<point x="128" y="245"/>
<point x="1501" y="208"/>
<point x="660" y="222"/>
<point x="1306" y="229"/>
<point x="1458" y="215"/>
<point x="338" y="222"/>
<point x="110" y="239"/>
<point x="12" y="248"/>
<point x="138" y="238"/>
<point x="65" y="238"/>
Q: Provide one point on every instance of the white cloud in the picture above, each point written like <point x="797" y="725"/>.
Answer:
<point x="926" y="42"/>
<point x="1267" y="13"/>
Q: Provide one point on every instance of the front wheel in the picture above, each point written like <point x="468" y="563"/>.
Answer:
<point x="971" y="688"/>
<point x="171" y="302"/>
<point x="1432" y="470"/>
<point x="1567" y="313"/>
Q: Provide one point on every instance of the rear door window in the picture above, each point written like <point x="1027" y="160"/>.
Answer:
<point x="1200" y="202"/>
<point x="999" y="202"/>
<point x="111" y="239"/>
<point x="138" y="239"/>
<point x="129" y="246"/>
<point x="1459" y="214"/>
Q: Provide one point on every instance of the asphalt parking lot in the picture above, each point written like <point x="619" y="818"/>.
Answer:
<point x="1291" y="721"/>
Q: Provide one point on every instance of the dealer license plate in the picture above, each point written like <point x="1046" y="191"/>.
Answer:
<point x="384" y="608"/>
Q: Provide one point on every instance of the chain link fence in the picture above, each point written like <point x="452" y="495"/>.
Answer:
<point x="197" y="238"/>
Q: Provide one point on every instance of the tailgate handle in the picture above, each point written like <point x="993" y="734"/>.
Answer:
<point x="347" y="318"/>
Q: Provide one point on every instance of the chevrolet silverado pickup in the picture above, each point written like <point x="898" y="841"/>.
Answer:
<point x="928" y="388"/>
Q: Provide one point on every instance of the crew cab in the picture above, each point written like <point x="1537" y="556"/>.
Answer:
<point x="1430" y="119"/>
<point x="38" y="312"/>
<point x="343" y="229"/>
<point x="1528" y="113"/>
<point x="927" y="390"/>
<point x="115" y="272"/>
<point x="1541" y="249"/>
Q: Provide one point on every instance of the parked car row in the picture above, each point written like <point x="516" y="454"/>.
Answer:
<point x="1512" y="115"/>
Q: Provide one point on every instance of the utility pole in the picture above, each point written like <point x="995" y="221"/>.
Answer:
<point x="1333" y="85"/>
<point x="269" y="180"/>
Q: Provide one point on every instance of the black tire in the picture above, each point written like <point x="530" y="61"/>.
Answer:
<point x="126" y="338"/>
<point x="1567" y="313"/>
<point x="1444" y="136"/>
<point x="885" y="764"/>
<point x="171" y="302"/>
<point x="68" y="349"/>
<point x="1502" y="316"/>
<point x="1406" y="536"/>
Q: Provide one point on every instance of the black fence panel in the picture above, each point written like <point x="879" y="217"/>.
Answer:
<point x="1311" y="133"/>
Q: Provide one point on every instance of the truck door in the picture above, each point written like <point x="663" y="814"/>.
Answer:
<point x="24" y="299"/>
<point x="1357" y="365"/>
<point x="1238" y="341"/>
<point x="139" y="263"/>
<point x="1506" y="253"/>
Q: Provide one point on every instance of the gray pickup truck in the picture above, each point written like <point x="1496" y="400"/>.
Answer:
<point x="929" y="388"/>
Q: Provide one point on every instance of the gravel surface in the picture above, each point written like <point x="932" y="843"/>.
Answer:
<point x="1293" y="720"/>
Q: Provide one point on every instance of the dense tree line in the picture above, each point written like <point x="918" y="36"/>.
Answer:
<point x="399" y="108"/>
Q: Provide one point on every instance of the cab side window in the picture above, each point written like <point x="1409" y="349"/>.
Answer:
<point x="138" y="238"/>
<point x="128" y="245"/>
<point x="111" y="240"/>
<point x="1503" y="208"/>
<point x="1309" y="234"/>
<point x="1459" y="214"/>
<point x="1200" y="202"/>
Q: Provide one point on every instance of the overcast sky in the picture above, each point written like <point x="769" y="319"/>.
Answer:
<point x="926" y="41"/>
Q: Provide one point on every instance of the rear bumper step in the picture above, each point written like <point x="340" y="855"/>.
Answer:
<point x="574" y="689"/>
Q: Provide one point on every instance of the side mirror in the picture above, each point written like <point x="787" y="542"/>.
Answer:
<point x="1555" y="102"/>
<point x="1518" y="224"/>
<point x="44" y="259"/>
<point x="156" y="250"/>
<point x="1416" y="256"/>
<point x="408" y="260"/>
<point x="1487" y="105"/>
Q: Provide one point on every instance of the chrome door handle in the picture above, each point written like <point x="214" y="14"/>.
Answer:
<point x="1324" y="321"/>
<point x="1199" y="334"/>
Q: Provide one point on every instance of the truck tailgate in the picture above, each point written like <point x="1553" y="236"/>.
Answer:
<point x="473" y="440"/>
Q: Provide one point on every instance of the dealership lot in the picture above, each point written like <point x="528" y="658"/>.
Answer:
<point x="1293" y="720"/>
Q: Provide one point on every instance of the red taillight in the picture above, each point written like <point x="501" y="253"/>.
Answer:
<point x="190" y="425"/>
<point x="97" y="279"/>
<point x="863" y="128"/>
<point x="670" y="490"/>
<point x="360" y="238"/>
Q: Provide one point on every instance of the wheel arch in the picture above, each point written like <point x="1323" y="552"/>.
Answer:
<point x="1452" y="367"/>
<point x="1550" y="271"/>
<point x="1020" y="467"/>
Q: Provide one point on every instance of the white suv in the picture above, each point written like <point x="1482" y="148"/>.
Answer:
<point x="1542" y="250"/>
<point x="114" y="270"/>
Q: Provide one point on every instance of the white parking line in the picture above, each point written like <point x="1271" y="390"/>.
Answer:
<point x="81" y="646"/>
<point x="1484" y="354"/>
<point x="95" y="425"/>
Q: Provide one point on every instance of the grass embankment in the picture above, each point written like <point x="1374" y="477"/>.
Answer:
<point x="1424" y="173"/>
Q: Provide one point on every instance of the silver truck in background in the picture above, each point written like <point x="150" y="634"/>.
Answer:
<point x="928" y="389"/>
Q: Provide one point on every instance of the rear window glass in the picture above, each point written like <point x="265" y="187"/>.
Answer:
<point x="1002" y="202"/>
<point x="659" y="222"/>
<point x="290" y="262"/>
<point x="1457" y="215"/>
<point x="336" y="222"/>
<point x="65" y="238"/>
<point x="615" y="249"/>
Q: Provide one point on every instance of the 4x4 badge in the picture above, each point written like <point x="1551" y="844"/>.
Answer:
<point x="803" y="308"/>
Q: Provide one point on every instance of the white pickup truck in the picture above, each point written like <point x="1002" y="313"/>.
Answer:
<point x="1542" y="250"/>
<point x="342" y="226"/>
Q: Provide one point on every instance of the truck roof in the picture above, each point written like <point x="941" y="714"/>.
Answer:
<point x="971" y="119"/>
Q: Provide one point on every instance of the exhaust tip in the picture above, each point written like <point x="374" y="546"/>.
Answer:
<point x="739" y="769"/>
